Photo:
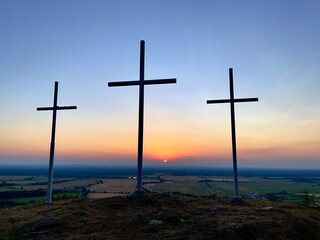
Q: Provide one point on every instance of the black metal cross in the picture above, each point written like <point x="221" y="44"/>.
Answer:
<point x="53" y="134"/>
<point x="141" y="82"/>
<point x="232" y="100"/>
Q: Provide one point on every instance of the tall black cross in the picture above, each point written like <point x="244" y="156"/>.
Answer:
<point x="53" y="135"/>
<point x="141" y="82"/>
<point x="233" y="100"/>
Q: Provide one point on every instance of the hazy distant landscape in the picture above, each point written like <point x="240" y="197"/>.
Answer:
<point x="28" y="185"/>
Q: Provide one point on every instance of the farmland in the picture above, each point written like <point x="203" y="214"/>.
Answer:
<point x="114" y="186"/>
<point x="25" y="189"/>
<point x="281" y="189"/>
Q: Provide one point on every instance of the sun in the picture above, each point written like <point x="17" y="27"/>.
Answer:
<point x="165" y="161"/>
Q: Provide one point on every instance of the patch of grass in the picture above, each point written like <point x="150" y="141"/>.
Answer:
<point x="183" y="217"/>
<point x="303" y="229"/>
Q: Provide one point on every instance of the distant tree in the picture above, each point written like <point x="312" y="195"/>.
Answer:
<point x="272" y="197"/>
<point x="307" y="200"/>
<point x="284" y="192"/>
<point x="5" y="184"/>
<point x="21" y="194"/>
<point x="28" y="178"/>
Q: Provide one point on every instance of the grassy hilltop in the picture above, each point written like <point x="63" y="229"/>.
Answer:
<point x="159" y="216"/>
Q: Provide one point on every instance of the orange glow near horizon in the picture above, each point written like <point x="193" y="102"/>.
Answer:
<point x="171" y="141"/>
<point x="160" y="147"/>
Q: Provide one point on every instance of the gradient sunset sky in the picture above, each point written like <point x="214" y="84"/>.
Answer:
<point x="273" y="46"/>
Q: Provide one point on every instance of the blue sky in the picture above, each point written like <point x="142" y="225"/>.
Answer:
<point x="273" y="47"/>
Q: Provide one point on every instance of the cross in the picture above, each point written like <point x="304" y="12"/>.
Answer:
<point x="54" y="108"/>
<point x="141" y="82"/>
<point x="233" y="100"/>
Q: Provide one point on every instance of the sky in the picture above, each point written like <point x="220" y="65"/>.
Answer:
<point x="273" y="47"/>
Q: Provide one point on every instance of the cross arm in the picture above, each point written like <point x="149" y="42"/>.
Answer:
<point x="123" y="83"/>
<point x="66" y="107"/>
<point x="145" y="82"/>
<point x="57" y="108"/>
<point x="44" y="108"/>
<point x="160" y="81"/>
<point x="234" y="100"/>
<point x="218" y="101"/>
<point x="246" y="100"/>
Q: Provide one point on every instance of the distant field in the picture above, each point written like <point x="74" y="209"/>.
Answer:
<point x="222" y="186"/>
<point x="181" y="178"/>
<point x="75" y="183"/>
<point x="114" y="186"/>
<point x="262" y="186"/>
<point x="282" y="189"/>
<point x="7" y="178"/>
<point x="25" y="189"/>
<point x="32" y="185"/>
<point x="194" y="188"/>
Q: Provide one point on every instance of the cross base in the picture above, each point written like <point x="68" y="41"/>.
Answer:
<point x="139" y="193"/>
<point x="237" y="200"/>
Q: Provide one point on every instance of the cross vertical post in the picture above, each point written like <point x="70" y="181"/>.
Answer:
<point x="232" y="100"/>
<point x="141" y="83"/>
<point x="141" y="111"/>
<point x="233" y="134"/>
<point x="52" y="144"/>
<point x="53" y="135"/>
